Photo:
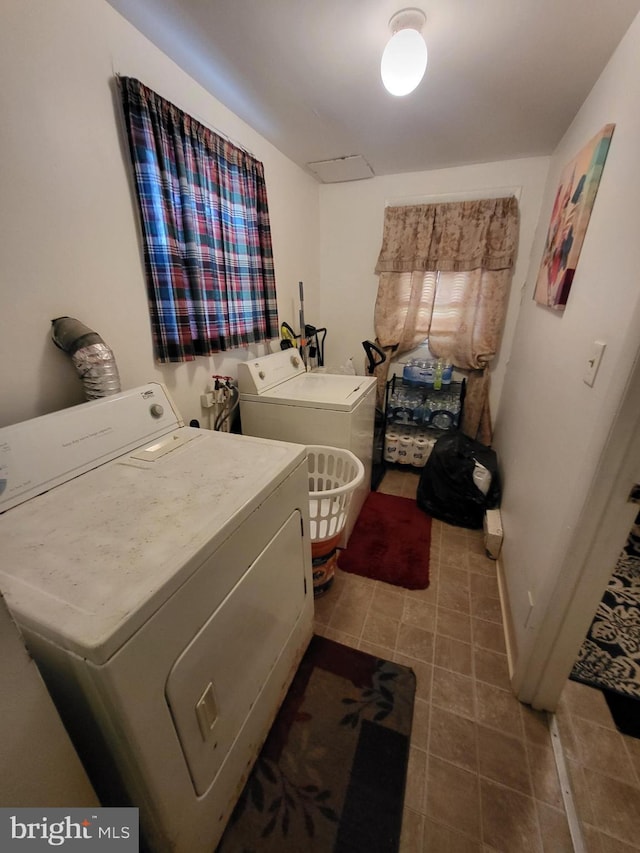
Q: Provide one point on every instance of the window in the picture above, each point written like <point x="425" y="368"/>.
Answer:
<point x="205" y="229"/>
<point x="445" y="271"/>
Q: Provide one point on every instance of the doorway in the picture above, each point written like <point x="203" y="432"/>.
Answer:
<point x="608" y="657"/>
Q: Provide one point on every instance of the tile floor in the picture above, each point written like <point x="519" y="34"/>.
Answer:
<point x="482" y="775"/>
<point x="604" y="769"/>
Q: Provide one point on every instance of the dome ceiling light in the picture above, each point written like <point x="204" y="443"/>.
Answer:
<point x="404" y="60"/>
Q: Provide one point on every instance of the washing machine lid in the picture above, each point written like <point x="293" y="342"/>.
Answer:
<point x="320" y="391"/>
<point x="282" y="378"/>
<point x="88" y="562"/>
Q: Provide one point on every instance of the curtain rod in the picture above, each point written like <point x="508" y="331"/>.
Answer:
<point x="442" y="198"/>
<point x="202" y="121"/>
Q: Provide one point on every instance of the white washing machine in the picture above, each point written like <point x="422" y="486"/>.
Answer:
<point x="280" y="399"/>
<point x="163" y="585"/>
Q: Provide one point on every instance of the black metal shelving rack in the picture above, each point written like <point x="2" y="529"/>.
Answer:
<point x="440" y="419"/>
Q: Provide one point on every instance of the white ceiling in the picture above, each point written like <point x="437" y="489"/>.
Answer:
<point x="504" y="80"/>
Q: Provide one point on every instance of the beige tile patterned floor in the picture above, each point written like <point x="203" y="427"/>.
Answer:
<point x="604" y="769"/>
<point x="482" y="775"/>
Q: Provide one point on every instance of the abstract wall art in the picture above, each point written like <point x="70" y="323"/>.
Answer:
<point x="570" y="215"/>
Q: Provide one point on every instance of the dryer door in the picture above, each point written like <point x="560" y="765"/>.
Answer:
<point x="217" y="680"/>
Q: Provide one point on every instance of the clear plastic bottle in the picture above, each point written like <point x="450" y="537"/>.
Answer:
<point x="392" y="404"/>
<point x="408" y="373"/>
<point x="403" y="411"/>
<point x="425" y="372"/>
<point x="437" y="375"/>
<point x="418" y="412"/>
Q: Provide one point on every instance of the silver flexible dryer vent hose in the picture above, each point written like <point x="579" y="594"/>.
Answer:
<point x="91" y="357"/>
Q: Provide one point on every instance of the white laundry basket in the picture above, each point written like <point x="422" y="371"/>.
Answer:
<point x="334" y="475"/>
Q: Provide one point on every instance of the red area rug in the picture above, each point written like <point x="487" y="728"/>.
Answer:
<point x="390" y="542"/>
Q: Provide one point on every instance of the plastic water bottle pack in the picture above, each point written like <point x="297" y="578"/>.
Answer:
<point x="427" y="373"/>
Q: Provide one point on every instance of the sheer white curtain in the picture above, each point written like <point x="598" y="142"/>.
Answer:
<point x="445" y="272"/>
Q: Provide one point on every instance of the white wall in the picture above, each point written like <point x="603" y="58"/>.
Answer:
<point x="352" y="217"/>
<point x="67" y="214"/>
<point x="552" y="428"/>
<point x="39" y="766"/>
<point x="69" y="246"/>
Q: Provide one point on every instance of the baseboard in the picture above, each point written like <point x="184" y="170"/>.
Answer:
<point x="507" y="621"/>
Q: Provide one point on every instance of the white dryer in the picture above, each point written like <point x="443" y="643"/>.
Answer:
<point x="163" y="586"/>
<point x="280" y="399"/>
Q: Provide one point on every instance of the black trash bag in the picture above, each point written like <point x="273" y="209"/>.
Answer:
<point x="447" y="490"/>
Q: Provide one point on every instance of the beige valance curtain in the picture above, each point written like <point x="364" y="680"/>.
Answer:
<point x="464" y="235"/>
<point x="445" y="272"/>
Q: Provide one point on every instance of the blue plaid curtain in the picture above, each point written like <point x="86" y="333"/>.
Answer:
<point x="206" y="233"/>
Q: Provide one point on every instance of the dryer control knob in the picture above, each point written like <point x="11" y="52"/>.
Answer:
<point x="156" y="410"/>
<point x="295" y="361"/>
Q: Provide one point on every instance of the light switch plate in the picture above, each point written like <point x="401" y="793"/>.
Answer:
<point x="593" y="362"/>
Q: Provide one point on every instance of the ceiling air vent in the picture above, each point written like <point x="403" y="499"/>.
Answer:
<point x="351" y="168"/>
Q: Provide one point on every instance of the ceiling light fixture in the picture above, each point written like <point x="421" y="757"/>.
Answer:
<point x="404" y="60"/>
